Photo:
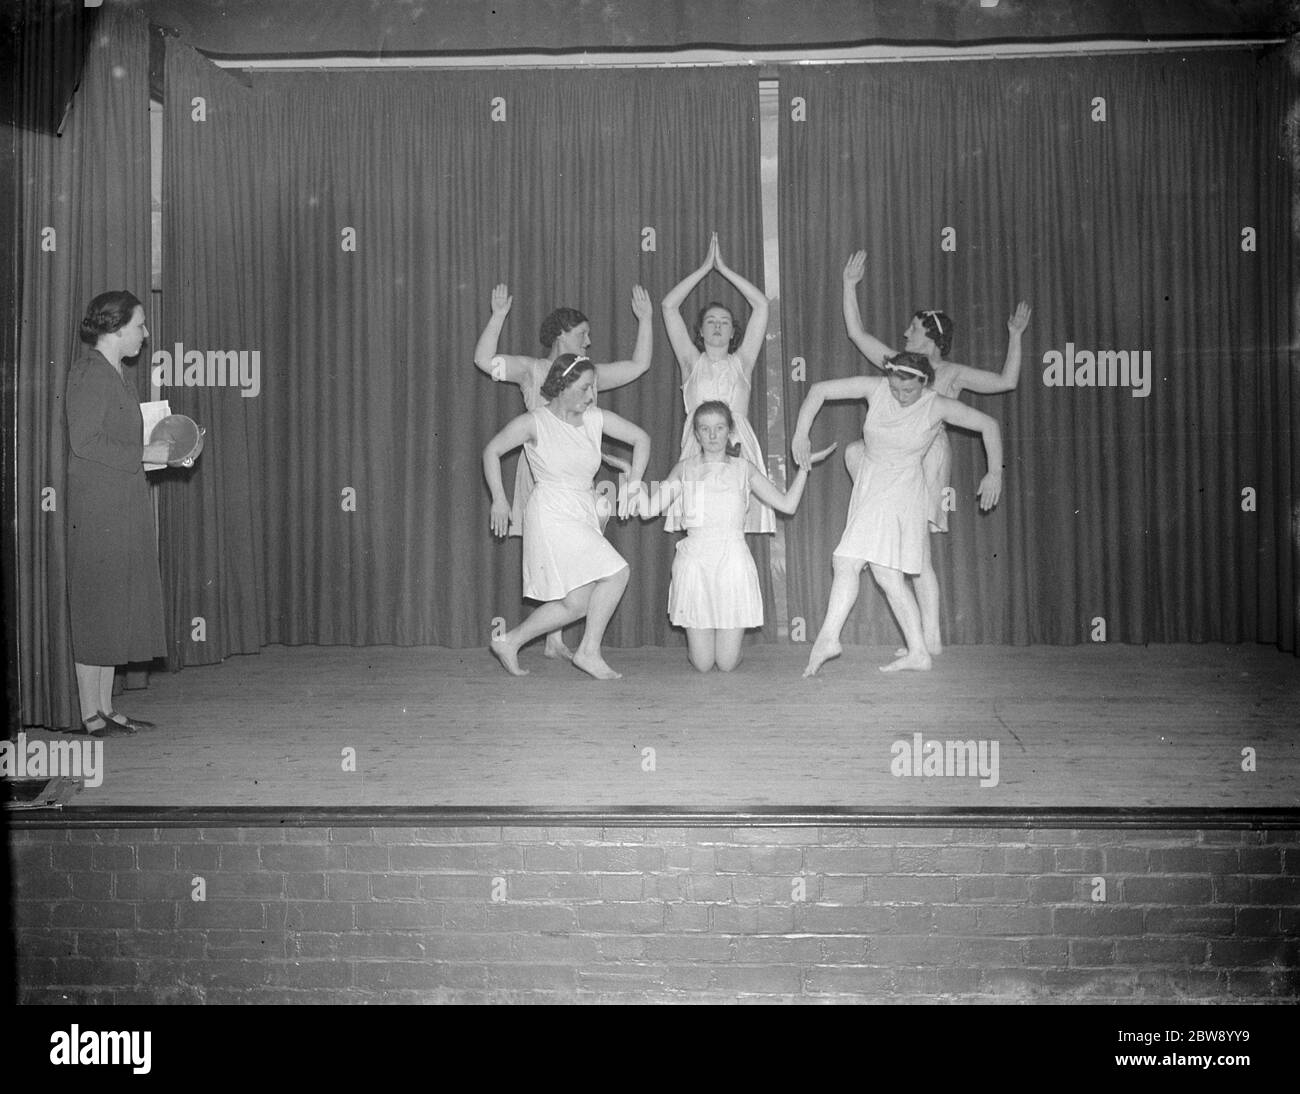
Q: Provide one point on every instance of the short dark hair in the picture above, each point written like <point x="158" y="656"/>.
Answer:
<point x="564" y="373"/>
<point x="939" y="327"/>
<point x="560" y="321"/>
<point x="108" y="312"/>
<point x="737" y="332"/>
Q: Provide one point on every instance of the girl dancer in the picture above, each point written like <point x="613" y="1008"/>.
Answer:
<point x="567" y="562"/>
<point x="930" y="333"/>
<point x="886" y="526"/>
<point x="717" y="363"/>
<point x="565" y="330"/>
<point x="715" y="593"/>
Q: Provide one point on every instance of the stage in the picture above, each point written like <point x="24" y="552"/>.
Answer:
<point x="1081" y="727"/>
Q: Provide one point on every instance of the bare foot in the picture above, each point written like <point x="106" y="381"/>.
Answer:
<point x="821" y="653"/>
<point x="508" y="654"/>
<point x="932" y="646"/>
<point x="595" y="666"/>
<point x="919" y="661"/>
<point x="556" y="650"/>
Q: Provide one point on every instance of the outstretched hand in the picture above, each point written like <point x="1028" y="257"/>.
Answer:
<point x="641" y="306"/>
<point x="632" y="500"/>
<point x="1020" y="318"/>
<point x="855" y="267"/>
<point x="990" y="490"/>
<point x="501" y="300"/>
<point x="817" y="457"/>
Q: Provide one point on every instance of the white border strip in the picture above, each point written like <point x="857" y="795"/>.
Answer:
<point x="697" y="58"/>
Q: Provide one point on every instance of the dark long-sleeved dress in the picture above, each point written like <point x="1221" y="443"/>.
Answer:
<point x="114" y="589"/>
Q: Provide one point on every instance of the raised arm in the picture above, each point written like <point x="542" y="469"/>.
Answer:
<point x="871" y="347"/>
<point x="516" y="432"/>
<point x="786" y="501"/>
<point x="617" y="373"/>
<point x="990" y="488"/>
<point x="516" y="370"/>
<point x="756" y="328"/>
<point x="849" y="387"/>
<point x="678" y="336"/>
<point x="993" y="383"/>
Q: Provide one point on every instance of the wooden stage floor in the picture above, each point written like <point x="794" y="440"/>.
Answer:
<point x="1084" y="726"/>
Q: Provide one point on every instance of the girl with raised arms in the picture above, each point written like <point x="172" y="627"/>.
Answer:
<point x="567" y="563"/>
<point x="717" y="363"/>
<point x="888" y="511"/>
<point x="715" y="593"/>
<point x="930" y="333"/>
<point x="565" y="330"/>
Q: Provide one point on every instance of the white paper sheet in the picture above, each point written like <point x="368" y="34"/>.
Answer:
<point x="153" y="413"/>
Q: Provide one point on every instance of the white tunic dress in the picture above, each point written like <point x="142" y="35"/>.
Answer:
<point x="715" y="581"/>
<point x="725" y="381"/>
<point x="533" y="399"/>
<point x="890" y="506"/>
<point x="563" y="545"/>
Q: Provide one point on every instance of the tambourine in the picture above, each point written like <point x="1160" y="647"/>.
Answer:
<point x="183" y="437"/>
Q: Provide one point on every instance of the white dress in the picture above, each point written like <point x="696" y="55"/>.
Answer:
<point x="533" y="399"/>
<point x="725" y="381"/>
<point x="890" y="506"/>
<point x="563" y="545"/>
<point x="715" y="581"/>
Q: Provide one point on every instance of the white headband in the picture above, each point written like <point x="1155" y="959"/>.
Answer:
<point x="575" y="361"/>
<point x="935" y="316"/>
<point x="907" y="368"/>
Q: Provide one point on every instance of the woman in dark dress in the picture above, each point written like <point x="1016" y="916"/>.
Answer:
<point x="114" y="589"/>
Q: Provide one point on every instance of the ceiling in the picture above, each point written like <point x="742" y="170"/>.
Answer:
<point x="234" y="29"/>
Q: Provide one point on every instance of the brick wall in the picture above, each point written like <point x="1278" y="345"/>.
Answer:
<point x="533" y="914"/>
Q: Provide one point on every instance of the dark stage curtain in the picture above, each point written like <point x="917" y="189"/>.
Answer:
<point x="1165" y="516"/>
<point x="214" y="563"/>
<point x="83" y="229"/>
<point x="350" y="227"/>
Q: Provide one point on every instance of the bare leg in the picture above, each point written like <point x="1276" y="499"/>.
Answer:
<point x="556" y="649"/>
<point x="551" y="616"/>
<point x="605" y="595"/>
<point x="927" y="599"/>
<point x="926" y="585"/>
<point x="700" y="646"/>
<point x="728" y="646"/>
<point x="903" y="604"/>
<point x="844" y="594"/>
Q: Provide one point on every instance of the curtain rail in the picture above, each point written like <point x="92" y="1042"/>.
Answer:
<point x="759" y="58"/>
